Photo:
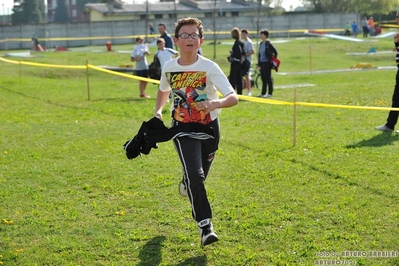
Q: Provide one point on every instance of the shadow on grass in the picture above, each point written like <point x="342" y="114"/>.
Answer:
<point x="385" y="138"/>
<point x="195" y="261"/>
<point x="150" y="254"/>
<point x="348" y="181"/>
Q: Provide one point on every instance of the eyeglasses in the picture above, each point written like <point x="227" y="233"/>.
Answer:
<point x="192" y="35"/>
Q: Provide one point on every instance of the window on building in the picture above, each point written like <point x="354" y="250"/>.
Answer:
<point x="74" y="13"/>
<point x="208" y="14"/>
<point x="74" y="2"/>
<point x="235" y="14"/>
<point x="223" y="14"/>
<point x="51" y="4"/>
<point x="158" y="16"/>
<point x="142" y="17"/>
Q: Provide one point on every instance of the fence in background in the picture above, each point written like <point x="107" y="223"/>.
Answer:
<point x="123" y="32"/>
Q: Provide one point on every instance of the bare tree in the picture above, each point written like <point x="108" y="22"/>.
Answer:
<point x="364" y="6"/>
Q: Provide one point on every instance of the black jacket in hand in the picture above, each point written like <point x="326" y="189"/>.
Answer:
<point x="138" y="144"/>
<point x="154" y="131"/>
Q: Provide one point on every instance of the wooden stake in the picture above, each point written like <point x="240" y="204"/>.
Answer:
<point x="310" y="59"/>
<point x="294" y="138"/>
<point x="20" y="72"/>
<point x="87" y="80"/>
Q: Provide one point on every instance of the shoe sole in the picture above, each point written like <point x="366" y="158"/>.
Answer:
<point x="383" y="129"/>
<point x="211" y="239"/>
<point x="386" y="130"/>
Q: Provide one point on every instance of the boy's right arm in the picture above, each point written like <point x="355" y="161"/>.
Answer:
<point x="162" y="97"/>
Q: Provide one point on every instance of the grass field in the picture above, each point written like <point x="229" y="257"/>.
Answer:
<point x="69" y="195"/>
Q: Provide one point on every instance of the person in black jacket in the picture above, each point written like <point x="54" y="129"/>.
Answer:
<point x="165" y="35"/>
<point x="266" y="50"/>
<point x="237" y="56"/>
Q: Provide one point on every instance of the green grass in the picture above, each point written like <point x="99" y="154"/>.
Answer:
<point x="69" y="196"/>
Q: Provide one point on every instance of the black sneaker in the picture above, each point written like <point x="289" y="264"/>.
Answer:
<point x="206" y="232"/>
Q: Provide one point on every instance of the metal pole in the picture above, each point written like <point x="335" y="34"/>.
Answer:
<point x="175" y="10"/>
<point x="146" y="20"/>
<point x="257" y="24"/>
<point x="4" y="16"/>
<point x="214" y="28"/>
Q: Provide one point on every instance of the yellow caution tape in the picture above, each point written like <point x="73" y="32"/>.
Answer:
<point x="123" y="74"/>
<point x="243" y="97"/>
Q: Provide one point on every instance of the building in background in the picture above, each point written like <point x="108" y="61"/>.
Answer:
<point x="114" y="10"/>
<point x="75" y="14"/>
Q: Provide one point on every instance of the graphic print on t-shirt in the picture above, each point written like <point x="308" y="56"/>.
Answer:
<point x="188" y="89"/>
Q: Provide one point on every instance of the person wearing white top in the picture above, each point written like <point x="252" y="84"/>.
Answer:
<point x="164" y="54"/>
<point x="138" y="55"/>
<point x="249" y="51"/>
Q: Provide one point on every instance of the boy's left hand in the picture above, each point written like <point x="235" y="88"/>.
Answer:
<point x="204" y="106"/>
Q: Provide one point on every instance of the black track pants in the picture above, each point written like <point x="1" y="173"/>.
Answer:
<point x="196" y="157"/>
<point x="393" y="115"/>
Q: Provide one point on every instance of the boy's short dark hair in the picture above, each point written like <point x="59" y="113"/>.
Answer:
<point x="244" y="31"/>
<point x="139" y="38"/>
<point x="189" y="21"/>
<point x="264" y="32"/>
<point x="160" y="40"/>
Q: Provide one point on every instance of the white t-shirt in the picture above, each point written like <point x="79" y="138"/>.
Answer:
<point x="165" y="55"/>
<point x="140" y="50"/>
<point x="249" y="46"/>
<point x="193" y="83"/>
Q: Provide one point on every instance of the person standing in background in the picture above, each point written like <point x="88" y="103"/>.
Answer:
<point x="365" y="27"/>
<point x="237" y="56"/>
<point x="347" y="29"/>
<point x="164" y="54"/>
<point x="371" y="26"/>
<point x="138" y="55"/>
<point x="152" y="31"/>
<point x="354" y="29"/>
<point x="165" y="35"/>
<point x="266" y="50"/>
<point x="249" y="51"/>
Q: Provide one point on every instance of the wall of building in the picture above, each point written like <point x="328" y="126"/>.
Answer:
<point x="54" y="34"/>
